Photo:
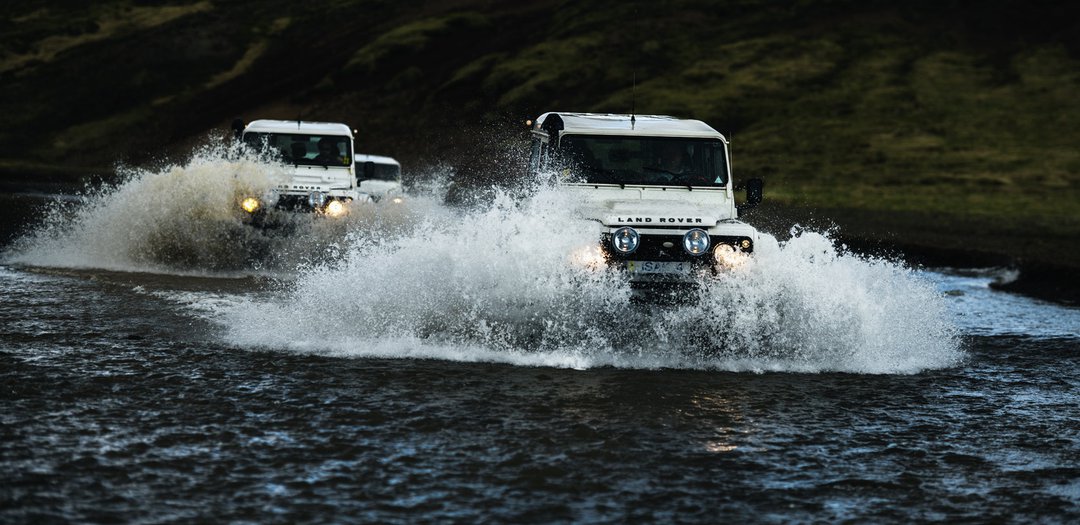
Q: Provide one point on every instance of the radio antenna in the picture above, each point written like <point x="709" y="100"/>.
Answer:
<point x="633" y="102"/>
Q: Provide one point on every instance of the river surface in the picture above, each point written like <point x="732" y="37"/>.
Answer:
<point x="432" y="364"/>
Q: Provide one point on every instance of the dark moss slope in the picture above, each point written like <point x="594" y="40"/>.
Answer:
<point x="943" y="122"/>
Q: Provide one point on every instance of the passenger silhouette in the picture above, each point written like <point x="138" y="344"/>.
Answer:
<point x="328" y="152"/>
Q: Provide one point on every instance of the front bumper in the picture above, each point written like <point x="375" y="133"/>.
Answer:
<point x="660" y="259"/>
<point x="334" y="204"/>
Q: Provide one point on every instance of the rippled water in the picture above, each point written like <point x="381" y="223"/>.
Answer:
<point x="432" y="364"/>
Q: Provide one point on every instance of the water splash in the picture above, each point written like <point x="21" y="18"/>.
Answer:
<point x="185" y="219"/>
<point x="804" y="305"/>
<point x="495" y="285"/>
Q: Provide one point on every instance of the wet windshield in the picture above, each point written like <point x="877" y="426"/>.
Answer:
<point x="309" y="150"/>
<point x="644" y="160"/>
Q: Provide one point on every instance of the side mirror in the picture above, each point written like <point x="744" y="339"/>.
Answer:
<point x="754" y="192"/>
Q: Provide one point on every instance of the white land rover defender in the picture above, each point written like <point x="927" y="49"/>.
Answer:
<point x="659" y="187"/>
<point x="380" y="177"/>
<point x="321" y="174"/>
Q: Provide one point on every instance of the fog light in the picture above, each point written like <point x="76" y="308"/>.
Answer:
<point x="745" y="244"/>
<point x="249" y="204"/>
<point x="728" y="258"/>
<point x="589" y="257"/>
<point x="335" y="208"/>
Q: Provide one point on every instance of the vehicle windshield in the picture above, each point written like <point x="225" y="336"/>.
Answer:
<point x="391" y="172"/>
<point x="644" y="160"/>
<point x="304" y="150"/>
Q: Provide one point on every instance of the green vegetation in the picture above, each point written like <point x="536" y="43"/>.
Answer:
<point x="947" y="123"/>
<point x="393" y="48"/>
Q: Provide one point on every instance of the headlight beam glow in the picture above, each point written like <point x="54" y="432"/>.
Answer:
<point x="335" y="208"/>
<point x="250" y="204"/>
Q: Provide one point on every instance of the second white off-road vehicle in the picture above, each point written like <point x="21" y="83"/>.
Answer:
<point x="659" y="188"/>
<point x="320" y="171"/>
<point x="380" y="177"/>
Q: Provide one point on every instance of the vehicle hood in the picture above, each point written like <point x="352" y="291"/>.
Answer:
<point x="653" y="206"/>
<point x="652" y="213"/>
<point x="315" y="178"/>
<point x="380" y="187"/>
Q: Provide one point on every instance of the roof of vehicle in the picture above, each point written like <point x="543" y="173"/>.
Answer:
<point x="377" y="159"/>
<point x="642" y="125"/>
<point x="298" y="126"/>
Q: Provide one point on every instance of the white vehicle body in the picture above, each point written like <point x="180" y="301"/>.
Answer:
<point x="320" y="173"/>
<point x="659" y="219"/>
<point x="379" y="176"/>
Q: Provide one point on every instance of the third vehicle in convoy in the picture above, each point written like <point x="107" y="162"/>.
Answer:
<point x="660" y="189"/>
<point x="380" y="177"/>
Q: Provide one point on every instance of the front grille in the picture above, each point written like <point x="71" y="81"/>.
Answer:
<point x="294" y="203"/>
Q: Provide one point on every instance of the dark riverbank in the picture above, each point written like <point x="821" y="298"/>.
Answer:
<point x="18" y="211"/>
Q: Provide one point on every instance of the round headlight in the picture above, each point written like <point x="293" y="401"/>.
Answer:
<point x="625" y="240"/>
<point x="249" y="204"/>
<point x="316" y="199"/>
<point x="696" y="241"/>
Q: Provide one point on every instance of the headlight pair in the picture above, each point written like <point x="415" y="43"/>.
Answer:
<point x="626" y="239"/>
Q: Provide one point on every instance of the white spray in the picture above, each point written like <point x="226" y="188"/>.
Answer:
<point x="493" y="284"/>
<point x="186" y="219"/>
<point x="497" y="285"/>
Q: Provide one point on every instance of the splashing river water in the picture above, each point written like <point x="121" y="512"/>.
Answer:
<point x="498" y="283"/>
<point x="163" y="361"/>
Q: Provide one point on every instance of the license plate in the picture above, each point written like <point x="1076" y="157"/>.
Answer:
<point x="663" y="267"/>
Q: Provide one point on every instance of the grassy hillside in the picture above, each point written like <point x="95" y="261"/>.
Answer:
<point x="942" y="123"/>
